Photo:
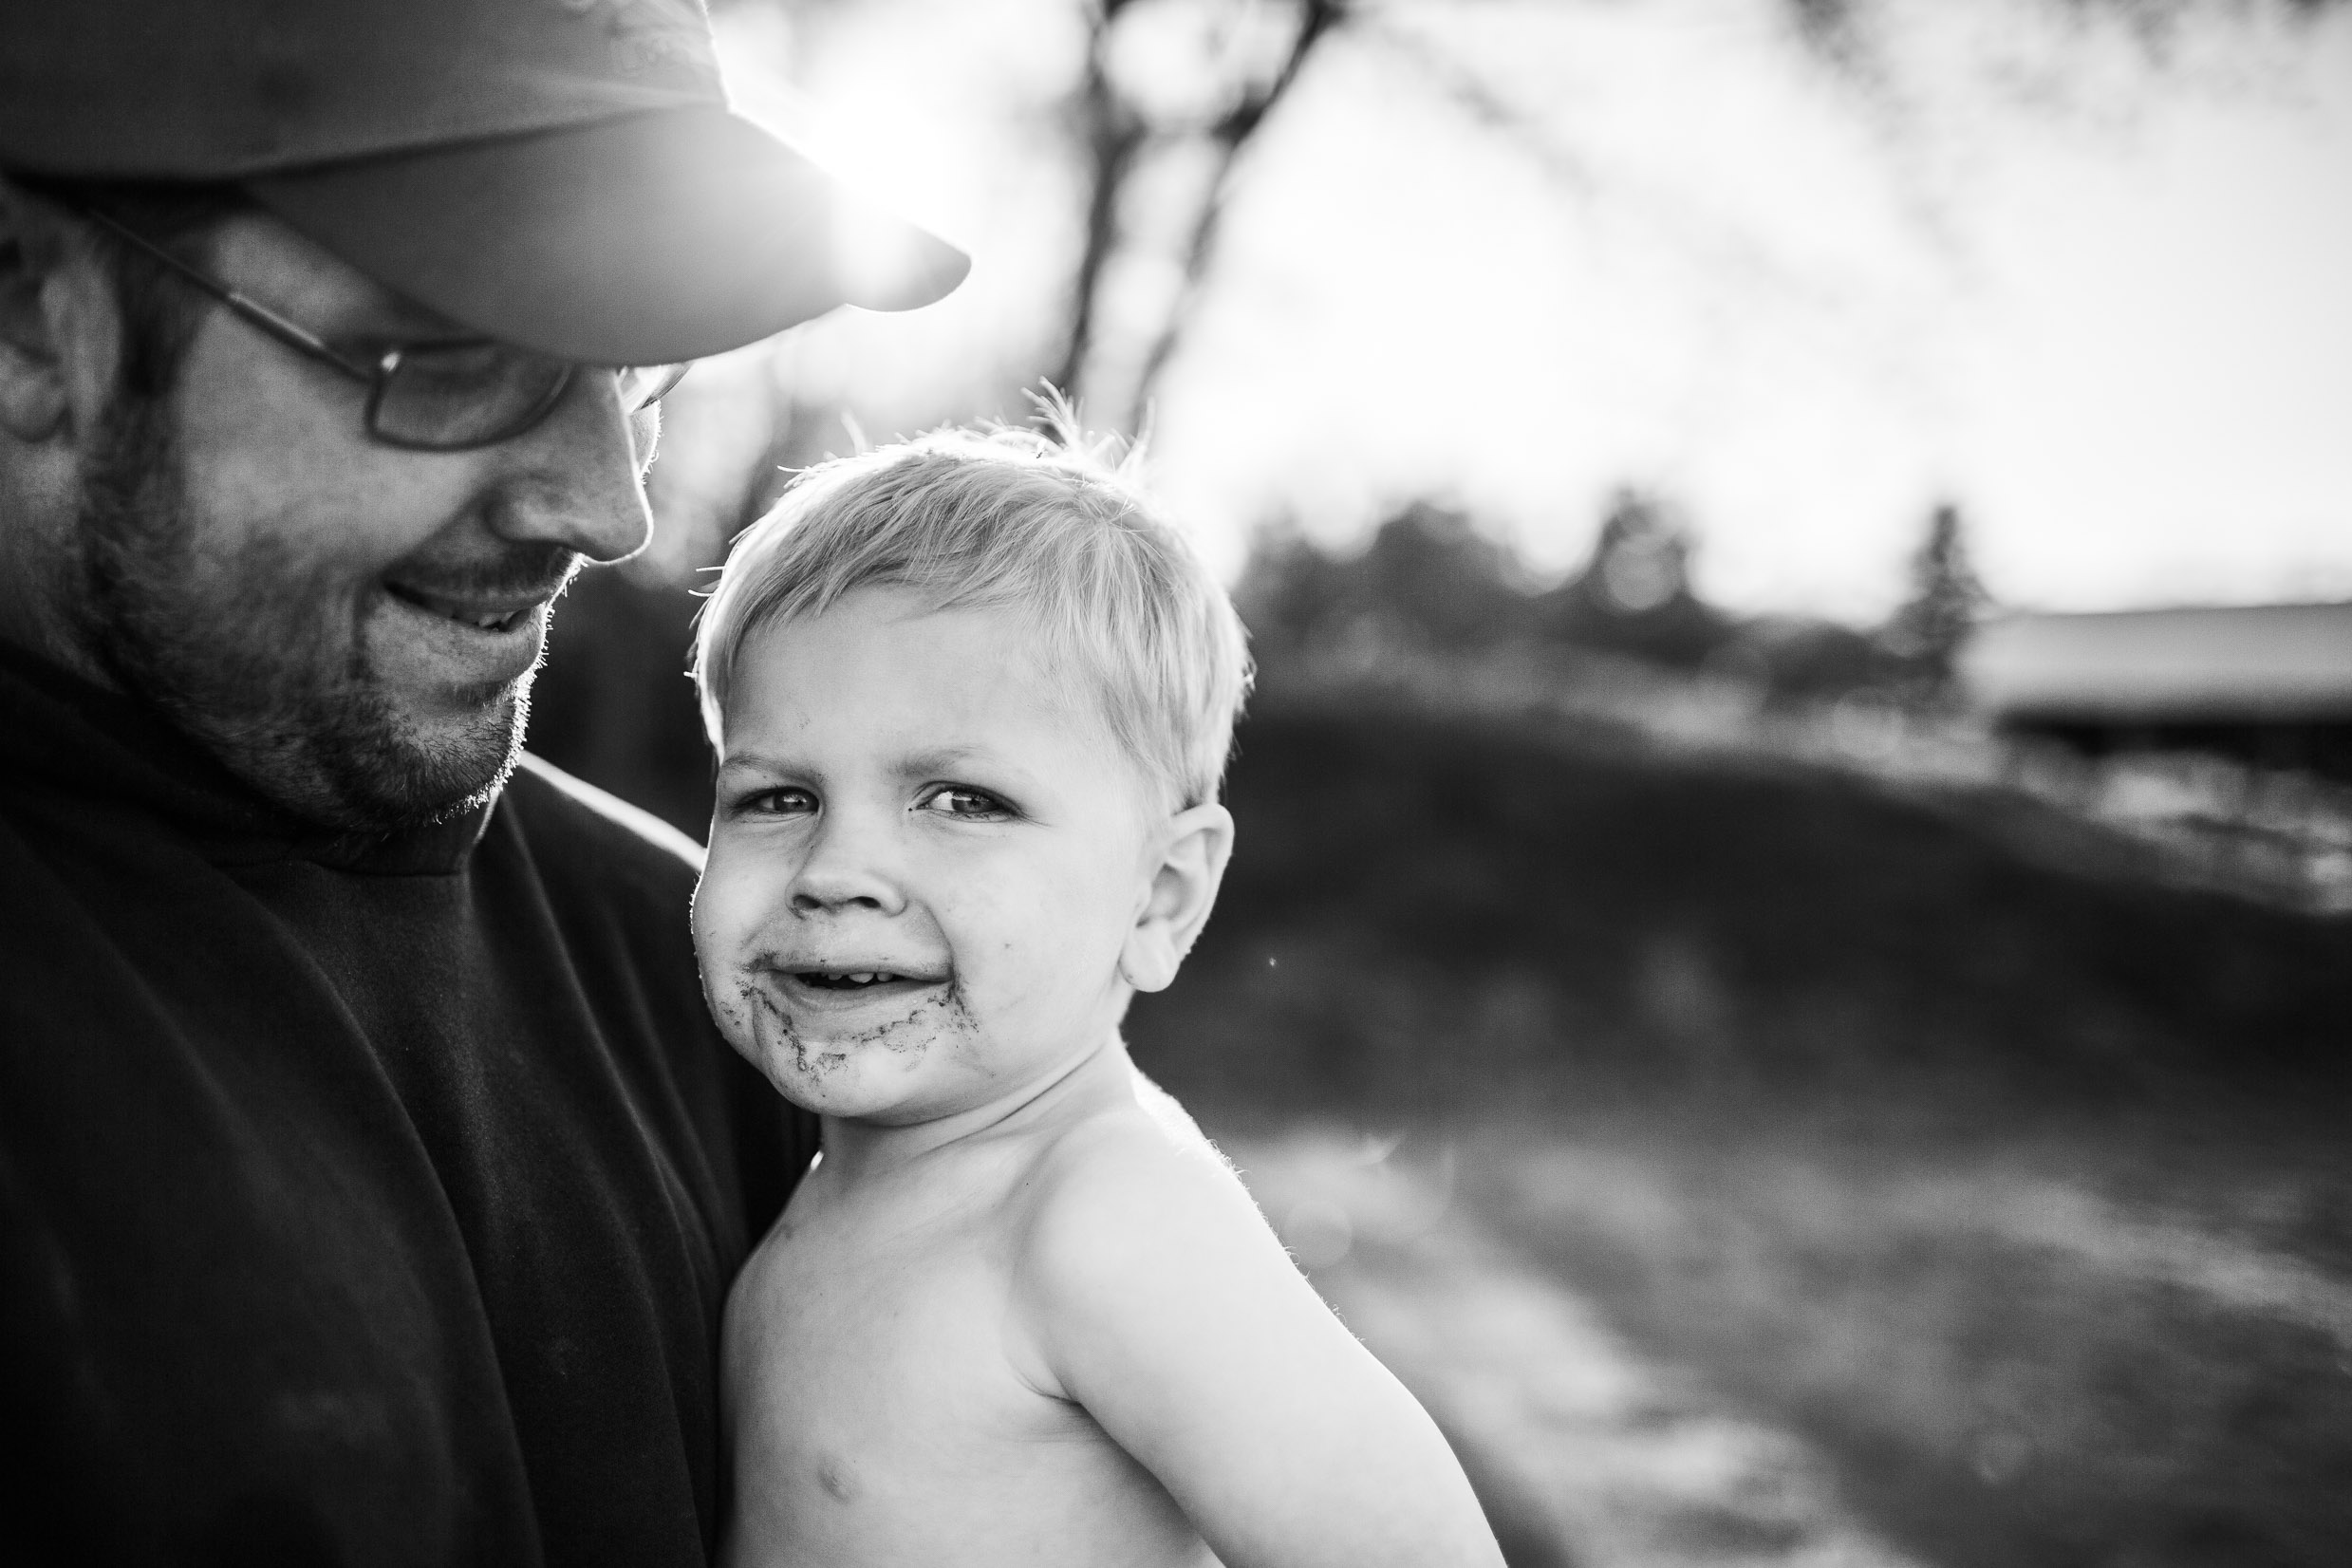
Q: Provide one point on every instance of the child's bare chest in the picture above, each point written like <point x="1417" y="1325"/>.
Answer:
<point x="879" y="1411"/>
<point x="861" y="1338"/>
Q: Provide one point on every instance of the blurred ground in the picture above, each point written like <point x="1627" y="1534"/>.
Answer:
<point x="1584" y="1450"/>
<point x="1649" y="1353"/>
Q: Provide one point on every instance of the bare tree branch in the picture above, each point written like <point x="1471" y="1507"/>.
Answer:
<point x="1112" y="134"/>
<point x="1727" y="250"/>
<point x="1229" y="135"/>
<point x="1118" y="138"/>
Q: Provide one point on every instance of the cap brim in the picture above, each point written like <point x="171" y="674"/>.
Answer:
<point x="641" y="240"/>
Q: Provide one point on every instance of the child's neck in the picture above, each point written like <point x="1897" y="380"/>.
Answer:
<point x="858" y="1149"/>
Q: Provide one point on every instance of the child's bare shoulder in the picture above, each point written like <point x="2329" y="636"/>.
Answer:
<point x="1134" y="1192"/>
<point x="1146" y="1150"/>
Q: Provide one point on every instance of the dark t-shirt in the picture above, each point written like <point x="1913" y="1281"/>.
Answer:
<point x="365" y="1202"/>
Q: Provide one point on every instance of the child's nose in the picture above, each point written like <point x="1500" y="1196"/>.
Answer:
<point x="811" y="898"/>
<point x="845" y="870"/>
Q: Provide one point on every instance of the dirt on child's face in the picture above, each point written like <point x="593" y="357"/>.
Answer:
<point x="923" y="863"/>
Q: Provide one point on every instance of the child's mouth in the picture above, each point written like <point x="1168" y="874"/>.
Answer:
<point x="827" y="987"/>
<point x="855" y="980"/>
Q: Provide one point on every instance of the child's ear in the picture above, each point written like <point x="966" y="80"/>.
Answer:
<point x="1184" y="887"/>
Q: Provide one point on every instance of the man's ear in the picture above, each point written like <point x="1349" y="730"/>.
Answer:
<point x="59" y="333"/>
<point x="1182" y="889"/>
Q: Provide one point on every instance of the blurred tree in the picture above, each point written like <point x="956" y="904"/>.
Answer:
<point x="1946" y="601"/>
<point x="1430" y="580"/>
<point x="1633" y="595"/>
<point x="1802" y="660"/>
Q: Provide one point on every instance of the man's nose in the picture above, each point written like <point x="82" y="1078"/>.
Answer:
<point x="580" y="482"/>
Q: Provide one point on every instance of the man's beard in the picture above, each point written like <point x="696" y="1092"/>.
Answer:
<point x="259" y="655"/>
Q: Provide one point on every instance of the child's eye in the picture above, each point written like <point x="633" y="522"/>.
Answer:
<point x="964" y="804"/>
<point x="788" y="800"/>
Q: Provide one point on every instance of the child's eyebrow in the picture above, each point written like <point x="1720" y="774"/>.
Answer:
<point x="942" y="759"/>
<point x="758" y="762"/>
<point x="950" y="760"/>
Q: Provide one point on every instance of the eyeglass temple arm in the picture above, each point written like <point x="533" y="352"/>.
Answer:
<point x="252" y="309"/>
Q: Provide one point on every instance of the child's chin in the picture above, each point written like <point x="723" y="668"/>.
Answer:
<point x="847" y="1084"/>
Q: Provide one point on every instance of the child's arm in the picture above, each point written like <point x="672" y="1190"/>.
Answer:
<point x="1156" y="1297"/>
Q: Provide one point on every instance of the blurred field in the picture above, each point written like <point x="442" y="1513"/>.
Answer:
<point x="1943" y="1142"/>
<point x="1434" y="914"/>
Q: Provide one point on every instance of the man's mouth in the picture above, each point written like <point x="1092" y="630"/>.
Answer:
<point x="500" y="614"/>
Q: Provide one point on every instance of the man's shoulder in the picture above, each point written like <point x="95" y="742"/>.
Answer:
<point x="572" y="825"/>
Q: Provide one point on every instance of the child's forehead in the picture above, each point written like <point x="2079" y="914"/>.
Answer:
<point x="923" y="677"/>
<point x="891" y="637"/>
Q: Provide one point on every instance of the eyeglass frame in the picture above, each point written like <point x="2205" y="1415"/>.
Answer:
<point x="377" y="377"/>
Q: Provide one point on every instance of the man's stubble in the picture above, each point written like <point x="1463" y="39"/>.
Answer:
<point x="259" y="655"/>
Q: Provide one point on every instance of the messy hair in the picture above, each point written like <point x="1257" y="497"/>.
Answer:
<point x="1059" y="529"/>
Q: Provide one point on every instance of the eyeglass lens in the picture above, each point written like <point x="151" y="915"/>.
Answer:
<point x="453" y="396"/>
<point x="463" y="393"/>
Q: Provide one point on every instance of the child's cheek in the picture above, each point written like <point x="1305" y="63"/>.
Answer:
<point x="726" y="936"/>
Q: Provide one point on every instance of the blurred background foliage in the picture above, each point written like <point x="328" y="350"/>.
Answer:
<point x="1968" y="1112"/>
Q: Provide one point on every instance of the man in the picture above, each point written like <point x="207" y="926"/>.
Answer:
<point x="370" y="1176"/>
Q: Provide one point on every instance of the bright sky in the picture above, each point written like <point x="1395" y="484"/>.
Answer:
<point x="2103" y="302"/>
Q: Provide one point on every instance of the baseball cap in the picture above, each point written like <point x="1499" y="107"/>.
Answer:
<point x="563" y="174"/>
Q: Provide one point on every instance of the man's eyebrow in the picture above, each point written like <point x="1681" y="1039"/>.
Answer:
<point x="416" y="329"/>
<point x="395" y="317"/>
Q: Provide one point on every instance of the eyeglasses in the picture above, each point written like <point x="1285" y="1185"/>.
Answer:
<point x="438" y="395"/>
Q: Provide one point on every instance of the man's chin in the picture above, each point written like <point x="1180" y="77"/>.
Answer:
<point x="359" y="764"/>
<point x="417" y="775"/>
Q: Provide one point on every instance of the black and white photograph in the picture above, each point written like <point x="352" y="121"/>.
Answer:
<point x="1173" y="783"/>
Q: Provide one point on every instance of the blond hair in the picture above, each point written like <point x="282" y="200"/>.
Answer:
<point x="1008" y="518"/>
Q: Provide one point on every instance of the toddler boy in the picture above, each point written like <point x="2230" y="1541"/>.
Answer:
<point x="972" y="699"/>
